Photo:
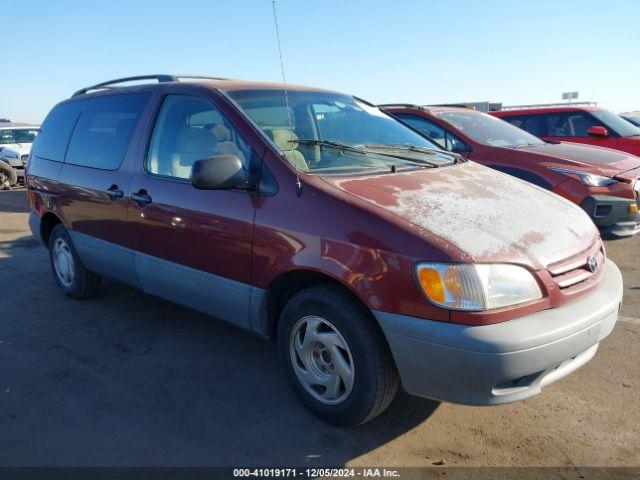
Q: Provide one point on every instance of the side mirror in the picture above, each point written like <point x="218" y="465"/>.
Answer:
<point x="598" y="131"/>
<point x="222" y="172"/>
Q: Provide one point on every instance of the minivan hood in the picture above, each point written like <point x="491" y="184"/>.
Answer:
<point x="490" y="216"/>
<point x="599" y="160"/>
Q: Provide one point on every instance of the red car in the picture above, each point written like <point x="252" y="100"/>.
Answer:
<point x="602" y="181"/>
<point x="371" y="258"/>
<point x="591" y="125"/>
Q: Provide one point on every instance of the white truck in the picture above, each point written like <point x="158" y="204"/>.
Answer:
<point x="15" y="144"/>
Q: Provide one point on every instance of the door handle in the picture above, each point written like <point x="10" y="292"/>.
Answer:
<point x="141" y="197"/>
<point x="114" y="192"/>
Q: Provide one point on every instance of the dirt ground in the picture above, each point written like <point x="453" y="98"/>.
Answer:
<point x="127" y="379"/>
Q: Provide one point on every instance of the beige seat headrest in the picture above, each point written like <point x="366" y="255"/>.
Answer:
<point x="285" y="139"/>
<point x="222" y="133"/>
<point x="196" y="140"/>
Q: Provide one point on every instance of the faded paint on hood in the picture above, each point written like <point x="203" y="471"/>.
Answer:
<point x="599" y="160"/>
<point x="487" y="214"/>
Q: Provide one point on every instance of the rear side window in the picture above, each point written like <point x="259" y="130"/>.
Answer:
<point x="104" y="129"/>
<point x="52" y="141"/>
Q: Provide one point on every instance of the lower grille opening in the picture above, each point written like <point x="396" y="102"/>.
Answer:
<point x="510" y="386"/>
<point x="603" y="210"/>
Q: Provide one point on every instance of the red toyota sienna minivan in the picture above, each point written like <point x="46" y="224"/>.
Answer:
<point x="313" y="218"/>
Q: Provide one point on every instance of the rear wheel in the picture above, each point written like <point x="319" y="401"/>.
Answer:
<point x="72" y="277"/>
<point x="335" y="356"/>
<point x="8" y="176"/>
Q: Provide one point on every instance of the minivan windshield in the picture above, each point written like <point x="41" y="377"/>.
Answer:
<point x="616" y="123"/>
<point x="327" y="132"/>
<point x="17" y="135"/>
<point x="488" y="130"/>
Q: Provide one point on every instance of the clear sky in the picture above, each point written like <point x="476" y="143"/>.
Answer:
<point x="384" y="51"/>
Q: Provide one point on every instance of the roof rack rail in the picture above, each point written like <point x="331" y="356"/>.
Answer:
<point x="161" y="78"/>
<point x="110" y="83"/>
<point x="543" y="105"/>
<point x="200" y="77"/>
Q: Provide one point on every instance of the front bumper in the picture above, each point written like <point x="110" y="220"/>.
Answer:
<point x="611" y="215"/>
<point x="503" y="362"/>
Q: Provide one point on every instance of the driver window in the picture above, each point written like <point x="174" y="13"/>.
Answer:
<point x="189" y="129"/>
<point x="570" y="124"/>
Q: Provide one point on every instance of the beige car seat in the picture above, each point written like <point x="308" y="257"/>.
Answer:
<point x="225" y="145"/>
<point x="192" y="144"/>
<point x="287" y="141"/>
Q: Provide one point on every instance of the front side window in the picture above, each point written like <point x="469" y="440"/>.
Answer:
<point x="489" y="130"/>
<point x="570" y="124"/>
<point x="18" y="135"/>
<point x="327" y="132"/>
<point x="613" y="122"/>
<point x="435" y="132"/>
<point x="104" y="129"/>
<point x="188" y="129"/>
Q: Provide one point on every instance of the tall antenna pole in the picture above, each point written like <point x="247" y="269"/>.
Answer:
<point x="286" y="96"/>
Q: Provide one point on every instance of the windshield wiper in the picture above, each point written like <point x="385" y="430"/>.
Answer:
<point x="415" y="148"/>
<point x="332" y="144"/>
<point x="368" y="150"/>
<point x="525" y="145"/>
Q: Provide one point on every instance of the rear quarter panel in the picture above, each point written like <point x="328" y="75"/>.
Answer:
<point x="43" y="189"/>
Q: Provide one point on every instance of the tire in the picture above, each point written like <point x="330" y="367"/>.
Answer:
<point x="70" y="274"/>
<point x="321" y="332"/>
<point x="8" y="176"/>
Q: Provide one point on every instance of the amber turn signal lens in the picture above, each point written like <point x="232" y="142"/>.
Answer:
<point x="432" y="284"/>
<point x="633" y="208"/>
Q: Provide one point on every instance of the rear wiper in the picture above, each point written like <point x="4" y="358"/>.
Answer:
<point x="332" y="144"/>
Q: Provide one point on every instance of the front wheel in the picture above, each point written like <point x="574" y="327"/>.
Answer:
<point x="335" y="356"/>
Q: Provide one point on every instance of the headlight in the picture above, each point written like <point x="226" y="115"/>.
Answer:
<point x="587" y="178"/>
<point x="476" y="287"/>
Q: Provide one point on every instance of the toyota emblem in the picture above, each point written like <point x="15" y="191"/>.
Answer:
<point x="592" y="263"/>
